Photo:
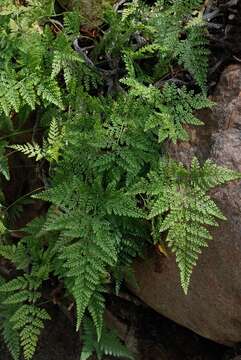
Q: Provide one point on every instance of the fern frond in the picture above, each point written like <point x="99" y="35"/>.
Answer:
<point x="49" y="90"/>
<point x="50" y="149"/>
<point x="30" y="323"/>
<point x="4" y="168"/>
<point x="18" y="283"/>
<point x="16" y="254"/>
<point x="130" y="9"/>
<point x="211" y="175"/>
<point x="11" y="339"/>
<point x="27" y="91"/>
<point x="72" y="22"/>
<point x="185" y="209"/>
<point x="64" y="60"/>
<point x="193" y="54"/>
<point x="31" y="150"/>
<point x="111" y="345"/>
<point x="27" y="321"/>
<point x="107" y="102"/>
<point x="86" y="262"/>
<point x="96" y="309"/>
<point x="108" y="344"/>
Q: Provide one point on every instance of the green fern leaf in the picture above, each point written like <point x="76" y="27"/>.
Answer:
<point x="193" y="54"/>
<point x="11" y="338"/>
<point x="185" y="209"/>
<point x="4" y="168"/>
<point x="19" y="283"/>
<point x="96" y="308"/>
<point x="27" y="91"/>
<point x="31" y="150"/>
<point x="50" y="91"/>
<point x="108" y="344"/>
<point x="30" y="332"/>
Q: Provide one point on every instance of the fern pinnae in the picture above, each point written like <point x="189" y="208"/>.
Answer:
<point x="31" y="150"/>
<point x="189" y="210"/>
<point x="111" y="192"/>
<point x="11" y="339"/>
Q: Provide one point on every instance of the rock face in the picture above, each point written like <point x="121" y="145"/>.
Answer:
<point x="212" y="307"/>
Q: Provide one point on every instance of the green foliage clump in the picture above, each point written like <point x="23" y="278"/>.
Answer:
<point x="181" y="207"/>
<point x="93" y="119"/>
<point x="109" y="343"/>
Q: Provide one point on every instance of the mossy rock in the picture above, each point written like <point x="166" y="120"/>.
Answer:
<point x="91" y="10"/>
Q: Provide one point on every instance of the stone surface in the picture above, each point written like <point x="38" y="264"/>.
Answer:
<point x="212" y="307"/>
<point x="151" y="336"/>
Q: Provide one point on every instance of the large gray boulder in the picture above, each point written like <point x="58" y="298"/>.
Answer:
<point x="212" y="307"/>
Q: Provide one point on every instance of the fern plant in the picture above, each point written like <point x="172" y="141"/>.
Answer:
<point x="50" y="149"/>
<point x="181" y="206"/>
<point x="24" y="319"/>
<point x="109" y="343"/>
<point x="92" y="108"/>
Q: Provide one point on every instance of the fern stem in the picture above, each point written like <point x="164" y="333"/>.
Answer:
<point x="17" y="133"/>
<point x="22" y="197"/>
